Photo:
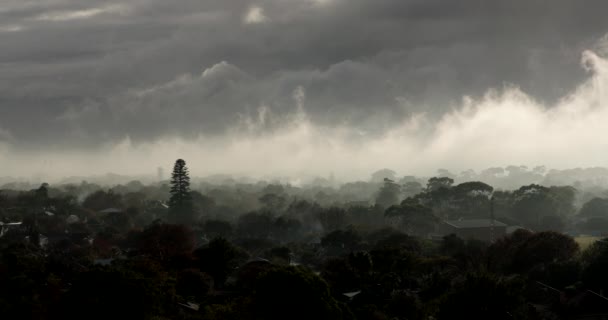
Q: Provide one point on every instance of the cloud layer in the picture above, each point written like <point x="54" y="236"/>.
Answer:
<point x="300" y="87"/>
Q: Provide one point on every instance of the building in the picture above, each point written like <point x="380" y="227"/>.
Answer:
<point x="479" y="229"/>
<point x="5" y="227"/>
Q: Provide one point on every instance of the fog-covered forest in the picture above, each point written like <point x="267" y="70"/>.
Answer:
<point x="390" y="247"/>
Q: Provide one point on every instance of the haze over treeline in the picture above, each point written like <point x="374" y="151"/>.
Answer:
<point x="504" y="178"/>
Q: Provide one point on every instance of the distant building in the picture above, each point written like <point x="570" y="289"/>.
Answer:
<point x="479" y="229"/>
<point x="160" y="174"/>
<point x="5" y="227"/>
<point x="110" y="210"/>
<point x="511" y="229"/>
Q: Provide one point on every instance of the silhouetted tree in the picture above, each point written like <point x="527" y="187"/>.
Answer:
<point x="437" y="183"/>
<point x="217" y="228"/>
<point x="389" y="193"/>
<point x="219" y="258"/>
<point x="255" y="225"/>
<point x="483" y="296"/>
<point x="180" y="202"/>
<point x="332" y="218"/>
<point x="101" y="200"/>
<point x="341" y="241"/>
<point x="412" y="216"/>
<point x="542" y="248"/>
<point x="294" y="293"/>
<point x="273" y="202"/>
<point x="595" y="263"/>
<point x="165" y="241"/>
<point x="380" y="175"/>
<point x="472" y="199"/>
<point x="596" y="207"/>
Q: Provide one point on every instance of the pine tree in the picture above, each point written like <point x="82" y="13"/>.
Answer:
<point x="180" y="202"/>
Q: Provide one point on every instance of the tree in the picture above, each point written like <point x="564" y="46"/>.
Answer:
<point x="596" y="207"/>
<point x="388" y="194"/>
<point x="483" y="296"/>
<point x="332" y="218"/>
<point x="42" y="194"/>
<point x="565" y="197"/>
<point x="217" y="228"/>
<point x="293" y="293"/>
<point x="542" y="248"/>
<point x="414" y="217"/>
<point x="219" y="258"/>
<point x="101" y="200"/>
<point x="273" y="202"/>
<point x="534" y="202"/>
<point x="595" y="263"/>
<point x="256" y="225"/>
<point x="472" y="199"/>
<point x="398" y="240"/>
<point x="380" y="175"/>
<point x="193" y="284"/>
<point x="341" y="241"/>
<point x="437" y="183"/>
<point x="594" y="225"/>
<point x="280" y="255"/>
<point x="286" y="229"/>
<point x="166" y="241"/>
<point x="103" y="293"/>
<point x="202" y="203"/>
<point x="180" y="202"/>
<point x="411" y="188"/>
<point x="437" y="195"/>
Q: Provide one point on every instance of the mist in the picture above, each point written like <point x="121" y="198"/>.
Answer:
<point x="503" y="126"/>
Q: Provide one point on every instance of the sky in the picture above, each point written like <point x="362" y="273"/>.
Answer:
<point x="301" y="87"/>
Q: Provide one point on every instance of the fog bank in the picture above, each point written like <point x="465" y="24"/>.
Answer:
<point x="505" y="126"/>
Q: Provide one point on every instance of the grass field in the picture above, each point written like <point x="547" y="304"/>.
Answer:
<point x="585" y="241"/>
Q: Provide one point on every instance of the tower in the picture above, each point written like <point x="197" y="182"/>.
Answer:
<point x="160" y="173"/>
<point x="491" y="219"/>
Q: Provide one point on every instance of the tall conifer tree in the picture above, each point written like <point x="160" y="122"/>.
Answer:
<point x="180" y="202"/>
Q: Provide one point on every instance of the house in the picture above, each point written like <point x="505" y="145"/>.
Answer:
<point x="351" y="295"/>
<point x="479" y="229"/>
<point x="511" y="229"/>
<point x="5" y="227"/>
<point x="190" y="306"/>
<point x="110" y="210"/>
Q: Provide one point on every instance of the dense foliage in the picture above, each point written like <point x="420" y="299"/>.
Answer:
<point x="234" y="250"/>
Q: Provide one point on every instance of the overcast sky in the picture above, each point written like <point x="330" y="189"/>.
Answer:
<point x="219" y="80"/>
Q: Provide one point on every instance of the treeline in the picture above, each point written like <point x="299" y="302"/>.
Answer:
<point x="593" y="179"/>
<point x="161" y="272"/>
<point x="363" y="250"/>
<point x="409" y="206"/>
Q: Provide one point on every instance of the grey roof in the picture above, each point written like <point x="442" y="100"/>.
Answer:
<point x="190" y="305"/>
<point x="110" y="210"/>
<point x="258" y="259"/>
<point x="352" y="294"/>
<point x="474" y="223"/>
<point x="10" y="223"/>
<point x="103" y="262"/>
<point x="512" y="229"/>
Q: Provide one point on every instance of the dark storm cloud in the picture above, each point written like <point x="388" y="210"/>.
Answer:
<point x="85" y="73"/>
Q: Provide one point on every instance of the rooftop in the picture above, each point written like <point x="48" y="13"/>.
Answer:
<point x="110" y="210"/>
<point x="475" y="223"/>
